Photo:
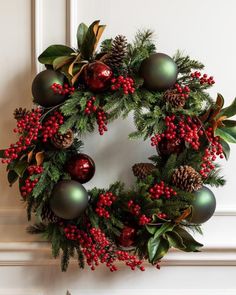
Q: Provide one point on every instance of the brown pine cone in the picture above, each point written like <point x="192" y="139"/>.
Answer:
<point x="118" y="52"/>
<point x="20" y="113"/>
<point x="187" y="178"/>
<point x="48" y="215"/>
<point x="63" y="141"/>
<point x="176" y="100"/>
<point x="142" y="170"/>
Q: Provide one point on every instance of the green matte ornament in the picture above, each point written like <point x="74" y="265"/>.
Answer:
<point x="203" y="206"/>
<point x="159" y="72"/>
<point x="42" y="91"/>
<point x="69" y="199"/>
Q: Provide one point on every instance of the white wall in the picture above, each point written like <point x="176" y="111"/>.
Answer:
<point x="203" y="29"/>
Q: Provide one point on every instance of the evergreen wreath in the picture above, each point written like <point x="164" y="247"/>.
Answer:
<point x="83" y="88"/>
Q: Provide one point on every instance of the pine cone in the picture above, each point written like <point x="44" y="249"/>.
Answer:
<point x="142" y="170"/>
<point x="63" y="141"/>
<point x="176" y="100"/>
<point x="187" y="178"/>
<point x="48" y="215"/>
<point x="118" y="52"/>
<point x="20" y="113"/>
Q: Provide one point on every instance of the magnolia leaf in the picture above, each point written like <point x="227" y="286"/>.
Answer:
<point x="227" y="133"/>
<point x="53" y="52"/>
<point x="183" y="216"/>
<point x="39" y="158"/>
<point x="87" y="47"/>
<point x="98" y="34"/>
<point x="164" y="228"/>
<point x="81" y="33"/>
<point x="175" y="240"/>
<point x="12" y="177"/>
<point x="152" y="246"/>
<point x="226" y="148"/>
<point x="191" y="245"/>
<point x="61" y="61"/>
<point x="20" y="167"/>
<point x="76" y="76"/>
<point x="162" y="249"/>
<point x="229" y="123"/>
<point x="218" y="122"/>
<point x="151" y="229"/>
<point x="229" y="111"/>
<point x="30" y="156"/>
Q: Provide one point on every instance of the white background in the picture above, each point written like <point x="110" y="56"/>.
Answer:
<point x="203" y="29"/>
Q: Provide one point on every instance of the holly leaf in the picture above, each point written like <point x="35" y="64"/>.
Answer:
<point x="191" y="245"/>
<point x="53" y="52"/>
<point x="226" y="148"/>
<point x="12" y="177"/>
<point x="227" y="133"/>
<point x="175" y="240"/>
<point x="229" y="111"/>
<point x="81" y="33"/>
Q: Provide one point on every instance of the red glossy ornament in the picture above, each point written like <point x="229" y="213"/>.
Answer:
<point x="97" y="76"/>
<point x="81" y="168"/>
<point x="127" y="236"/>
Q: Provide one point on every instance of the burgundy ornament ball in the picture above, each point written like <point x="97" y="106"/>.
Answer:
<point x="97" y="76"/>
<point x="81" y="168"/>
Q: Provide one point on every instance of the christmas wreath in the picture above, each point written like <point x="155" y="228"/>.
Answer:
<point x="83" y="88"/>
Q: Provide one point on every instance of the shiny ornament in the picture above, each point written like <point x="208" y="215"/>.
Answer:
<point x="159" y="72"/>
<point x="203" y="206"/>
<point x="81" y="168"/>
<point x="69" y="199"/>
<point x="42" y="92"/>
<point x="97" y="76"/>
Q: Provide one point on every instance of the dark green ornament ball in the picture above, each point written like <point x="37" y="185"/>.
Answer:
<point x="159" y="72"/>
<point x="203" y="206"/>
<point x="41" y="88"/>
<point x="69" y="199"/>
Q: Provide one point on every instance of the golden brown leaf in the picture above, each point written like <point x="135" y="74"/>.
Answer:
<point x="185" y="214"/>
<point x="39" y="157"/>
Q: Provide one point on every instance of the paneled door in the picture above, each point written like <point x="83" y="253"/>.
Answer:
<point x="203" y="29"/>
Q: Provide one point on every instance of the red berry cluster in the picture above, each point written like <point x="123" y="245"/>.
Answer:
<point x="98" y="249"/>
<point x="214" y="149"/>
<point x="51" y="125"/>
<point x="29" y="185"/>
<point x="100" y="114"/>
<point x="105" y="201"/>
<point x="162" y="215"/>
<point x="143" y="219"/>
<point x="126" y="84"/>
<point x="62" y="89"/>
<point x="160" y="189"/>
<point x="90" y="107"/>
<point x="184" y="91"/>
<point x="203" y="79"/>
<point x="134" y="208"/>
<point x="183" y="128"/>
<point x="28" y="127"/>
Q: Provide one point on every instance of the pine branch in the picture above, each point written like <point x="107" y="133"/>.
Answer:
<point x="38" y="228"/>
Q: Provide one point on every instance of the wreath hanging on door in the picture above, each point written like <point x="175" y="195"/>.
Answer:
<point x="82" y="90"/>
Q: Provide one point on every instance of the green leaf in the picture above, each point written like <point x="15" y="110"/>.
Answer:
<point x="81" y="33"/>
<point x="20" y="168"/>
<point x="61" y="61"/>
<point x="175" y="240"/>
<point x="229" y="123"/>
<point x="53" y="52"/>
<point x="152" y="246"/>
<point x="227" y="133"/>
<point x="2" y="154"/>
<point x="151" y="229"/>
<point x="12" y="177"/>
<point x="229" y="111"/>
<point x="191" y="245"/>
<point x="87" y="47"/>
<point x="226" y="148"/>
<point x="163" y="229"/>
<point x="162" y="249"/>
